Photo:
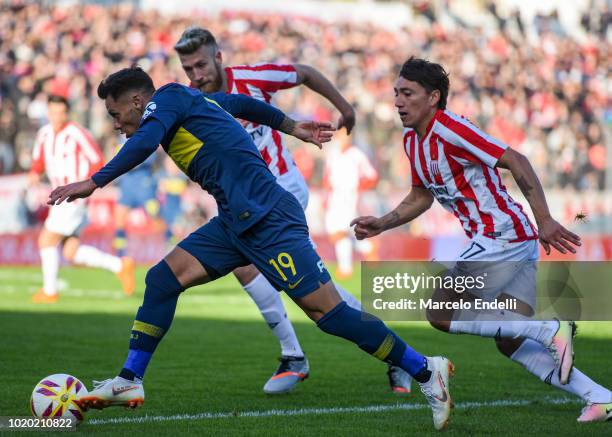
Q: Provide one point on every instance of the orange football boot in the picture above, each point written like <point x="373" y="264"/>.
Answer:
<point x="41" y="297"/>
<point x="126" y="275"/>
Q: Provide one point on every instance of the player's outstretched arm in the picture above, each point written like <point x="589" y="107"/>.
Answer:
<point x="551" y="233"/>
<point x="315" y="132"/>
<point x="416" y="203"/>
<point x="256" y="111"/>
<point x="135" y="151"/>
<point x="314" y="80"/>
<point x="70" y="192"/>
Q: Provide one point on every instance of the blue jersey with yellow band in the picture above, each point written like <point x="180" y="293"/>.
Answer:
<point x="210" y="146"/>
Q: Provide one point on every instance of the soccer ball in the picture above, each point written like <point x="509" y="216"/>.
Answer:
<point x="54" y="396"/>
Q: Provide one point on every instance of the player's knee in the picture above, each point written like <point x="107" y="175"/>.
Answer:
<point x="440" y="325"/>
<point x="438" y="319"/>
<point x="161" y="284"/>
<point x="246" y="274"/>
<point x="68" y="252"/>
<point x="47" y="239"/>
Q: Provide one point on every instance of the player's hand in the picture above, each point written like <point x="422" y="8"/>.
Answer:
<point x="555" y="235"/>
<point x="347" y="119"/>
<point x="315" y="132"/>
<point x="70" y="192"/>
<point x="367" y="227"/>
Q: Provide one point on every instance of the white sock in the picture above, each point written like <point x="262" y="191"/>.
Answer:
<point x="492" y="323"/>
<point x="91" y="257"/>
<point x="344" y="255"/>
<point x="271" y="306"/>
<point x="346" y="296"/>
<point x="538" y="361"/>
<point x="49" y="259"/>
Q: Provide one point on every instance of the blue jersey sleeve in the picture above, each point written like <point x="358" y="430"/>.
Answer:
<point x="135" y="151"/>
<point x="249" y="108"/>
<point x="165" y="110"/>
<point x="168" y="106"/>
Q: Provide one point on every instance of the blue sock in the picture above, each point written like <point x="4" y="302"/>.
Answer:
<point x="120" y="242"/>
<point x="153" y="318"/>
<point x="374" y="337"/>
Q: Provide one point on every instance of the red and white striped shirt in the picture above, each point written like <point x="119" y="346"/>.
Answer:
<point x="67" y="156"/>
<point x="262" y="81"/>
<point x="456" y="161"/>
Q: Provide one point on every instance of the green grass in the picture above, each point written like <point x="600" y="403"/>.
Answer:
<point x="219" y="353"/>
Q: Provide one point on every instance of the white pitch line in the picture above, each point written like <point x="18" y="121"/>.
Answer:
<point x="118" y="294"/>
<point x="322" y="411"/>
<point x="21" y="276"/>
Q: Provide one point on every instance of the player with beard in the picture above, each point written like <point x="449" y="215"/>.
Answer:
<point x="202" y="61"/>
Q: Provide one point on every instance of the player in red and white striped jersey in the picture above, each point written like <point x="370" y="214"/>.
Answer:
<point x="67" y="153"/>
<point x="203" y="63"/>
<point x="456" y="163"/>
<point x="347" y="171"/>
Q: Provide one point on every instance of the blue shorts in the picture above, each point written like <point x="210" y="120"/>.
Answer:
<point x="139" y="190"/>
<point x="278" y="245"/>
<point x="170" y="208"/>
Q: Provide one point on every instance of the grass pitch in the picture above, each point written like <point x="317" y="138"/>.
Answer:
<point x="207" y="375"/>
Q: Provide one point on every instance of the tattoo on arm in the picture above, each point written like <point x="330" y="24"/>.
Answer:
<point x="287" y="125"/>
<point x="394" y="219"/>
<point x="524" y="186"/>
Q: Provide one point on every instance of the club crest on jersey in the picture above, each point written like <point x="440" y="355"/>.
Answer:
<point x="151" y="106"/>
<point x="435" y="169"/>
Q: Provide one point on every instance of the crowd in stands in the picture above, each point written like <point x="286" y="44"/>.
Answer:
<point x="547" y="96"/>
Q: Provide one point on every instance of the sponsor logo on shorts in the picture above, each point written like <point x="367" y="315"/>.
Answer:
<point x="295" y="284"/>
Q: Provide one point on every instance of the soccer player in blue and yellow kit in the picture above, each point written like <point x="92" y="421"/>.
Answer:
<point x="258" y="223"/>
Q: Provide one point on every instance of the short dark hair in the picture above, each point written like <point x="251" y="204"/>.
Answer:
<point x="54" y="98"/>
<point x="193" y="38"/>
<point x="122" y="81"/>
<point x="429" y="75"/>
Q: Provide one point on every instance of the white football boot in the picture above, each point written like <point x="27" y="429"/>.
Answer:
<point x="290" y="371"/>
<point x="436" y="390"/>
<point x="113" y="392"/>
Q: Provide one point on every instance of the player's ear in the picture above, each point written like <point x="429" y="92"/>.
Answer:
<point x="138" y="101"/>
<point x="434" y="97"/>
<point x="219" y="57"/>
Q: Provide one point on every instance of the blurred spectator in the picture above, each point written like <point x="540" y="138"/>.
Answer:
<point x="172" y="185"/>
<point x="347" y="172"/>
<point x="533" y="84"/>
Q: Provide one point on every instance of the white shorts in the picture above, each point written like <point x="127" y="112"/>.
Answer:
<point x="482" y="248"/>
<point x="508" y="268"/>
<point x="67" y="218"/>
<point x="341" y="210"/>
<point x="294" y="182"/>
